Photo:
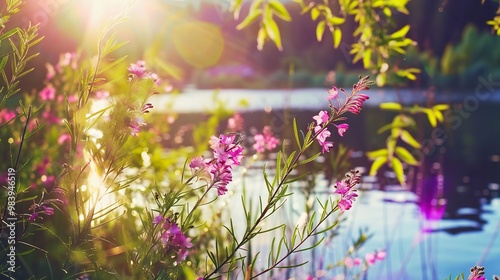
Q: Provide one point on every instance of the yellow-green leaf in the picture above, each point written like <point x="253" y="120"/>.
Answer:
<point x="337" y="37"/>
<point x="406" y="156"/>
<point x="336" y="20"/>
<point x="391" y="106"/>
<point x="320" y="30"/>
<point x="441" y="107"/>
<point x="381" y="79"/>
<point x="377" y="153"/>
<point x="401" y="32"/>
<point x="439" y="115"/>
<point x="314" y="13"/>
<point x="249" y="19"/>
<point x="397" y="167"/>
<point x="280" y="10"/>
<point x="376" y="165"/>
<point x="261" y="38"/>
<point x="273" y="32"/>
<point x="431" y="116"/>
<point x="367" y="56"/>
<point x="408" y="138"/>
<point x="387" y="12"/>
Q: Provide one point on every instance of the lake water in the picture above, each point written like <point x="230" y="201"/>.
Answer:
<point x="428" y="232"/>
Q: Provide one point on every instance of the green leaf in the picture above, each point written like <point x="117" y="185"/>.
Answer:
<point x="3" y="62"/>
<point x="249" y="19"/>
<point x="408" y="138"/>
<point x="397" y="167"/>
<point x="405" y="156"/>
<point x="377" y="153"/>
<point x="9" y="33"/>
<point x="391" y="106"/>
<point x="336" y="20"/>
<point x="320" y="30"/>
<point x="441" y="107"/>
<point x="381" y="79"/>
<point x="401" y="32"/>
<point x="280" y="10"/>
<point x="273" y="32"/>
<point x="377" y="163"/>
<point x="431" y="116"/>
<point x="314" y="13"/>
<point x="309" y="159"/>
<point x="261" y="38"/>
<point x="337" y="37"/>
<point x="367" y="56"/>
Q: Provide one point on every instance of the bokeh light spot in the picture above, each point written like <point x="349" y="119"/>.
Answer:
<point x="199" y="43"/>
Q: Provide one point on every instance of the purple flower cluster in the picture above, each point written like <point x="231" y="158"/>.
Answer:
<point x="138" y="69"/>
<point x="40" y="209"/>
<point x="347" y="191"/>
<point x="172" y="238"/>
<point x="353" y="103"/>
<point x="218" y="171"/>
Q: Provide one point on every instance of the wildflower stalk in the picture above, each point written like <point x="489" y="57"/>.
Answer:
<point x="278" y="188"/>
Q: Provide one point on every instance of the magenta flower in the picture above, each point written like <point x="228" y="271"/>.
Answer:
<point x="321" y="137"/>
<point x="236" y="122"/>
<point x="476" y="273"/>
<point x="347" y="191"/>
<point x="227" y="153"/>
<point x="174" y="241"/>
<point x="372" y="258"/>
<point x="350" y="262"/>
<point x="265" y="141"/>
<point x="40" y="209"/>
<point x="135" y="125"/>
<point x="63" y="138"/>
<point x="333" y="93"/>
<point x="355" y="104"/>
<point x="50" y="118"/>
<point x="146" y="107"/>
<point x="138" y="68"/>
<point x="6" y="115"/>
<point x="48" y="93"/>
<point x="342" y="128"/>
<point x="321" y="118"/>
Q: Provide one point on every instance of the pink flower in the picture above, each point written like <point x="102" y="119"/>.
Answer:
<point x="321" y="118"/>
<point x="101" y="94"/>
<point x="48" y="93"/>
<point x="72" y="98"/>
<point x="265" y="141"/>
<point x="135" y="125"/>
<point x="476" y="273"/>
<point x="355" y="104"/>
<point x="350" y="263"/>
<point x="146" y="107"/>
<point x="332" y="93"/>
<point x="63" y="138"/>
<point x="51" y="72"/>
<point x="152" y="76"/>
<point x="321" y="137"/>
<point x="6" y="115"/>
<point x="174" y="241"/>
<point x="50" y="118"/>
<point x="236" y="122"/>
<point x="138" y="68"/>
<point x="342" y="128"/>
<point x="227" y="153"/>
<point x="347" y="191"/>
<point x="372" y="258"/>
